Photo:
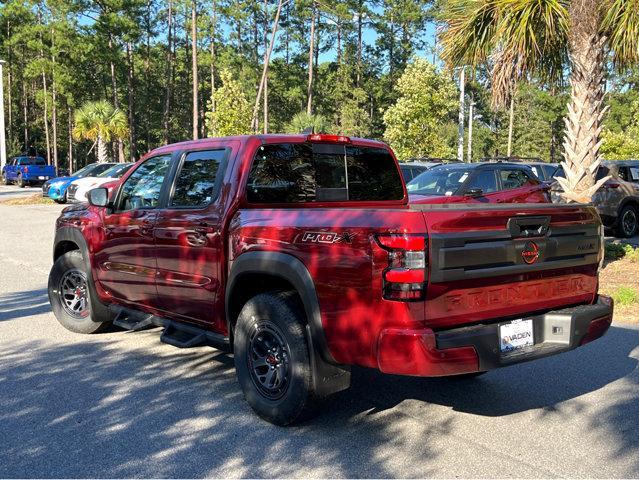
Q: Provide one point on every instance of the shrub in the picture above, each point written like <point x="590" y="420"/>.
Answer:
<point x="625" y="295"/>
<point x="615" y="251"/>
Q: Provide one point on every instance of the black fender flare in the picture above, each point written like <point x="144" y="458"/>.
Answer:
<point x="293" y="271"/>
<point x="70" y="234"/>
<point x="328" y="376"/>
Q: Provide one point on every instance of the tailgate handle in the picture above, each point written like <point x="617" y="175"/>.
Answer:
<point x="528" y="226"/>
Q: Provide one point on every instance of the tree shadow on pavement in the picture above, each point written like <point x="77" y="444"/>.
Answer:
<point x="24" y="304"/>
<point x="95" y="408"/>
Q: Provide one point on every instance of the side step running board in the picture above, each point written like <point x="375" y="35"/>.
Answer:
<point x="178" y="334"/>
<point x="182" y="335"/>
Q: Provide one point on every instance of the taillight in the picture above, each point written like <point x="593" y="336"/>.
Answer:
<point x="26" y="169"/>
<point x="405" y="277"/>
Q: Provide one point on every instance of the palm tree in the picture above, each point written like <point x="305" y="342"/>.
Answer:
<point x="546" y="38"/>
<point x="101" y="122"/>
<point x="303" y="121"/>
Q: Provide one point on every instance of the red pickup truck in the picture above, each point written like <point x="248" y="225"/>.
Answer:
<point x="301" y="255"/>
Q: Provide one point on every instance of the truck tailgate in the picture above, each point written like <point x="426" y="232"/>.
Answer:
<point x="502" y="261"/>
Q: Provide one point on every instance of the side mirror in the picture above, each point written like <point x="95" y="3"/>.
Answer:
<point x="474" y="192"/>
<point x="98" y="197"/>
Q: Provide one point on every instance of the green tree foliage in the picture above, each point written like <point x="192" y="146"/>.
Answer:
<point x="303" y="121"/>
<point x="232" y="114"/>
<point x="136" y="55"/>
<point x="623" y="144"/>
<point x="426" y="103"/>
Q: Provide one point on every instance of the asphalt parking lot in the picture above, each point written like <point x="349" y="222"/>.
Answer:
<point x="122" y="404"/>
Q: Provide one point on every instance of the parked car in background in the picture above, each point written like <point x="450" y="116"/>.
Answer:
<point x="302" y="255"/>
<point x="617" y="201"/>
<point x="416" y="166"/>
<point x="543" y="170"/>
<point x="25" y="171"/>
<point x="487" y="182"/>
<point x="56" y="189"/>
<point x="77" y="191"/>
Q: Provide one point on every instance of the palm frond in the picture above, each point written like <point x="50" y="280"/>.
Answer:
<point x="532" y="35"/>
<point x="470" y="34"/>
<point x="621" y="26"/>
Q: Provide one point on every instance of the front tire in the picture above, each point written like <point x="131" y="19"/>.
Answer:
<point x="627" y="222"/>
<point x="272" y="358"/>
<point x="73" y="298"/>
<point x="5" y="180"/>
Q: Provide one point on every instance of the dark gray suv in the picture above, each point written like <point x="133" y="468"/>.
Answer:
<point x="617" y="201"/>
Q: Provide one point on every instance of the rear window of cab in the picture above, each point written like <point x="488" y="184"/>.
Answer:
<point x="318" y="172"/>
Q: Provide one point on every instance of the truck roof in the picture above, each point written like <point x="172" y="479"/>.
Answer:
<point x="266" y="138"/>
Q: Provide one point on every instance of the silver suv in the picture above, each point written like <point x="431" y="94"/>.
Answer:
<point x="617" y="201"/>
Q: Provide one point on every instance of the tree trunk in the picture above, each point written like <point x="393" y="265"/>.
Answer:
<point x="116" y="101"/>
<point x="25" y="113"/>
<point x="70" y="127"/>
<point x="267" y="59"/>
<point x="309" y="89"/>
<point x="359" y="41"/>
<point x="511" y="123"/>
<point x="339" y="42"/>
<point x="213" y="28"/>
<point x="102" y="154"/>
<point x="46" y="117"/>
<point x="131" y="88"/>
<point x="169" y="76"/>
<point x="265" y="40"/>
<point x="147" y="74"/>
<point x="585" y="109"/>
<point x="196" y="128"/>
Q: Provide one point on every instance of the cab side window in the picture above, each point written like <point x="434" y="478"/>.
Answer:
<point x="515" y="178"/>
<point x="143" y="187"/>
<point x="484" y="180"/>
<point x="196" y="181"/>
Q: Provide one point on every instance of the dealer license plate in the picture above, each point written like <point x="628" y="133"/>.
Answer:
<point x="515" y="335"/>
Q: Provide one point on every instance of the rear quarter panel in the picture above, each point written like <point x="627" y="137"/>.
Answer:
<point x="338" y="248"/>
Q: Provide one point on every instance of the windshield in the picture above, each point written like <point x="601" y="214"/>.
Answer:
<point x="116" y="171"/>
<point x="92" y="170"/>
<point x="439" y="181"/>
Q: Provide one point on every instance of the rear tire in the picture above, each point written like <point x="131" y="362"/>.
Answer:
<point x="21" y="183"/>
<point x="73" y="298"/>
<point x="272" y="358"/>
<point x="627" y="222"/>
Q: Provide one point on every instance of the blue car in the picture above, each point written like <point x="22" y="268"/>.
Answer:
<point x="56" y="188"/>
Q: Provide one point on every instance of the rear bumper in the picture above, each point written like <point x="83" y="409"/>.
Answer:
<point x="476" y="348"/>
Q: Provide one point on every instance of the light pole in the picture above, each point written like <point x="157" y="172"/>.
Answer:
<point x="3" y="143"/>
<point x="460" y="133"/>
